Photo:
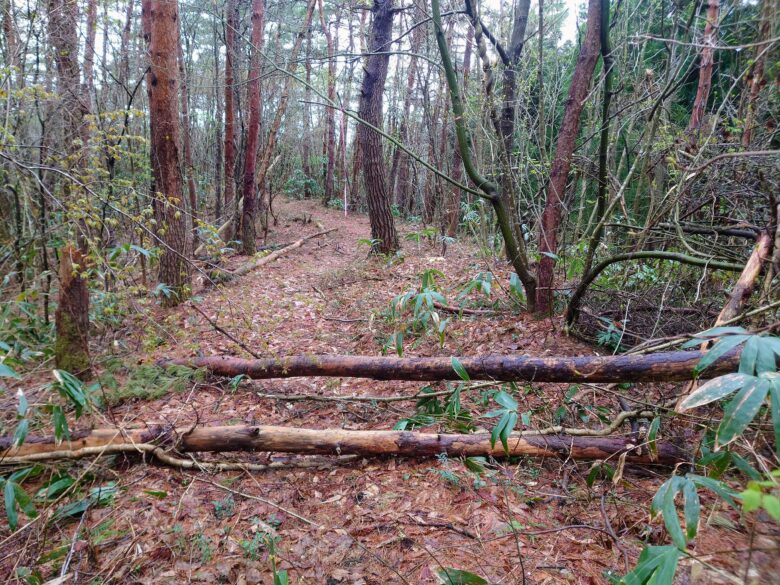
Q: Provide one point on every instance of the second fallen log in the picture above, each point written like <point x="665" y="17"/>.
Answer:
<point x="328" y="442"/>
<point x="659" y="367"/>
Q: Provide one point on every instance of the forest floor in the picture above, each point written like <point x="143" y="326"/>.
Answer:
<point x="369" y="521"/>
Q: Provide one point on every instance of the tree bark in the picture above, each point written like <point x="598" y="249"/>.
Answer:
<point x="756" y="76"/>
<point x="452" y="212"/>
<point x="171" y="223"/>
<point x="230" y="115"/>
<point x="329" y="145"/>
<point x="665" y="367"/>
<point x="71" y="348"/>
<point x="706" y="62"/>
<point x="248" y="227"/>
<point x="567" y="138"/>
<point x="383" y="230"/>
<point x="744" y="286"/>
<point x="187" y="145"/>
<point x="332" y="442"/>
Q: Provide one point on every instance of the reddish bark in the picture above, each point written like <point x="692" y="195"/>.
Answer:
<point x="171" y="224"/>
<point x="230" y="116"/>
<point x="329" y="144"/>
<point x="706" y="62"/>
<point x="248" y="228"/>
<point x="187" y="146"/>
<point x="756" y="76"/>
<point x="567" y="138"/>
<point x="658" y="367"/>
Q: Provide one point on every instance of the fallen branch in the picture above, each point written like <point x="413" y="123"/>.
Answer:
<point x="250" y="266"/>
<point x="463" y="310"/>
<point x="155" y="439"/>
<point x="660" y="367"/>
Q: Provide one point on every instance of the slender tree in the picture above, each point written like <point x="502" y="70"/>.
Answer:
<point x="249" y="191"/>
<point x="383" y="230"/>
<point x="706" y="62"/>
<point x="559" y="176"/>
<point x="230" y="116"/>
<point x="171" y="224"/>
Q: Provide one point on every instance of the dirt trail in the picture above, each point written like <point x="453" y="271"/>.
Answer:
<point x="373" y="521"/>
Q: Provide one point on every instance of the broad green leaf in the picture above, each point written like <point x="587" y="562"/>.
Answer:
<point x="10" y="505"/>
<point x="507" y="430"/>
<point x="459" y="369"/>
<point x="20" y="434"/>
<point x="771" y="504"/>
<point x="7" y="372"/>
<point x="745" y="467"/>
<point x="505" y="399"/>
<point x="751" y="499"/>
<point x="663" y="502"/>
<point x="715" y="332"/>
<point x="774" y="343"/>
<point x="498" y="428"/>
<point x="691" y="508"/>
<point x="765" y="357"/>
<point x="739" y="413"/>
<point x="715" y="389"/>
<point x="55" y="488"/>
<point x="748" y="359"/>
<point x="656" y="566"/>
<point x="774" y="393"/>
<point x="60" y="423"/>
<point x="475" y="464"/>
<point x="21" y="410"/>
<point x="458" y="577"/>
<point x="715" y="486"/>
<point x="721" y="348"/>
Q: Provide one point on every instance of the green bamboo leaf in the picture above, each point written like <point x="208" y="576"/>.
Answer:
<point x="459" y="369"/>
<point x="10" y="505"/>
<point x="721" y="348"/>
<point x="505" y="399"/>
<point x="749" y="358"/>
<point x="8" y="372"/>
<point x="715" y="486"/>
<point x="765" y="358"/>
<point x="691" y="508"/>
<point x="458" y="577"/>
<point x="774" y="393"/>
<point x="656" y="566"/>
<point x="739" y="413"/>
<point x="20" y="434"/>
<point x="715" y="389"/>
<point x="507" y="430"/>
<point x="498" y="428"/>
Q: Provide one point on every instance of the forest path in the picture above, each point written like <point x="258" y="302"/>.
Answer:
<point x="375" y="521"/>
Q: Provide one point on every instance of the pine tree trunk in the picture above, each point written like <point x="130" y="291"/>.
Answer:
<point x="567" y="138"/>
<point x="383" y="230"/>
<point x="706" y="62"/>
<point x="248" y="227"/>
<point x="174" y="271"/>
<point x="187" y="145"/>
<point x="329" y="146"/>
<point x="71" y="349"/>
<point x="230" y="115"/>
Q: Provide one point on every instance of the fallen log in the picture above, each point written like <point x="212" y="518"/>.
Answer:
<point x="250" y="266"/>
<point x="327" y="442"/>
<point x="658" y="367"/>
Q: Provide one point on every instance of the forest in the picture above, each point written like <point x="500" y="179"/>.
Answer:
<point x="359" y="292"/>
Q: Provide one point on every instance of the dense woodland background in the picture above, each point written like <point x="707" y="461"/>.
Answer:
<point x="620" y="185"/>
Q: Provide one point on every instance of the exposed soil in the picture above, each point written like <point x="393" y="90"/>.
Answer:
<point x="372" y="521"/>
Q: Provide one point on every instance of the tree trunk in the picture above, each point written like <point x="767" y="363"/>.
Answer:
<point x="230" y="115"/>
<point x="567" y="138"/>
<point x="332" y="442"/>
<point x="329" y="146"/>
<point x="248" y="226"/>
<point x="187" y="145"/>
<point x="71" y="348"/>
<point x="306" y="145"/>
<point x="383" y="230"/>
<point x="171" y="224"/>
<point x="756" y="76"/>
<point x="218" y="146"/>
<point x="659" y="367"/>
<point x="453" y="202"/>
<point x="706" y="62"/>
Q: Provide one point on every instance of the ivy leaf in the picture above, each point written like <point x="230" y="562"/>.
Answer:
<point x="739" y="413"/>
<point x="715" y="389"/>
